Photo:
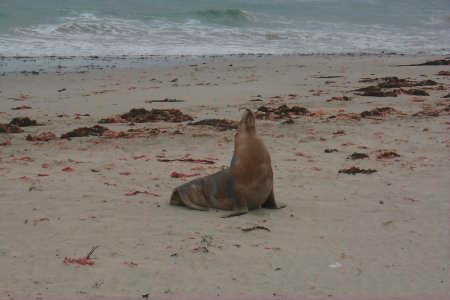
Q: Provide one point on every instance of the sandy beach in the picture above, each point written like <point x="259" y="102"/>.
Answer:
<point x="380" y="234"/>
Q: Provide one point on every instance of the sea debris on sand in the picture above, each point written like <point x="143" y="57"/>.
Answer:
<point x="379" y="112"/>
<point x="280" y="112"/>
<point x="42" y="137"/>
<point x="375" y="91"/>
<point x="330" y="150"/>
<point x="444" y="73"/>
<point x="21" y="107"/>
<point x="257" y="227"/>
<point x="327" y="77"/>
<point x="8" y="128"/>
<point x="415" y="92"/>
<point x="288" y="121"/>
<point x="96" y="130"/>
<point x="175" y="174"/>
<point x="355" y="170"/>
<point x="83" y="261"/>
<point x="6" y="143"/>
<point x="339" y="98"/>
<point x="165" y="100"/>
<point x="23" y="122"/>
<point x="357" y="155"/>
<point x="339" y="132"/>
<point x="439" y="62"/>
<point x="384" y="83"/>
<point x="141" y="115"/>
<point x="346" y="116"/>
<point x="200" y="161"/>
<point x="113" y="119"/>
<point x="430" y="112"/>
<point x="132" y="133"/>
<point x="134" y="193"/>
<point x="387" y="155"/>
<point x="220" y="124"/>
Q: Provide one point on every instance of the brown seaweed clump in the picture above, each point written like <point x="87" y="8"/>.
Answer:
<point x="388" y="155"/>
<point x="357" y="155"/>
<point x="96" y="130"/>
<point x="379" y="112"/>
<point x="444" y="73"/>
<point x="429" y="112"/>
<point x="8" y="128"/>
<point x="220" y="124"/>
<point x="23" y="122"/>
<point x="132" y="133"/>
<point x="384" y="83"/>
<point x="42" y="137"/>
<point x="280" y="112"/>
<point x="376" y="91"/>
<point x="346" y="116"/>
<point x="356" y="170"/>
<point x="339" y="98"/>
<point x="416" y="92"/>
<point x="438" y="62"/>
<point x="142" y="115"/>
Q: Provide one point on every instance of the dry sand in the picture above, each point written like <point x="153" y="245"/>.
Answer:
<point x="361" y="236"/>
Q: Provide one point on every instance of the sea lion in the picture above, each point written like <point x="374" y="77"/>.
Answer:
<point x="247" y="184"/>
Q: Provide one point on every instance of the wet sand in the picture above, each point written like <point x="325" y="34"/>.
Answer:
<point x="376" y="236"/>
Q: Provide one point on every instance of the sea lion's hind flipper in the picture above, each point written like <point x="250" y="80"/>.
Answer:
<point x="182" y="198"/>
<point x="271" y="204"/>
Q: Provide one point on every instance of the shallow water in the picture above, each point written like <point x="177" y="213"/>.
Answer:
<point x="171" y="27"/>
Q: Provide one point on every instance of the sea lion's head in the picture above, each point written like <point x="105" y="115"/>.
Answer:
<point x="247" y="123"/>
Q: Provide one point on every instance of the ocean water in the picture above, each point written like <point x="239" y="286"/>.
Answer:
<point x="210" y="27"/>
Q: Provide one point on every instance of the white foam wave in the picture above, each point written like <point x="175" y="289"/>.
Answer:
<point x="87" y="34"/>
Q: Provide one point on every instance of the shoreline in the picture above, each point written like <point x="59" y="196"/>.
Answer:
<point x="32" y="65"/>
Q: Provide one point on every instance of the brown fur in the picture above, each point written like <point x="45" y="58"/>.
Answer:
<point x="252" y="169"/>
<point x="247" y="184"/>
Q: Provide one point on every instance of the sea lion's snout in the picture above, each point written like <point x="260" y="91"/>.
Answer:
<point x="247" y="123"/>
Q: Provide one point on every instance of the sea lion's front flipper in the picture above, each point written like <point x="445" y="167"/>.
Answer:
<point x="236" y="213"/>
<point x="239" y="205"/>
<point x="271" y="204"/>
<point x="239" y="208"/>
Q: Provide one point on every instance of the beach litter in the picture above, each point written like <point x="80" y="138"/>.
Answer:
<point x="82" y="261"/>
